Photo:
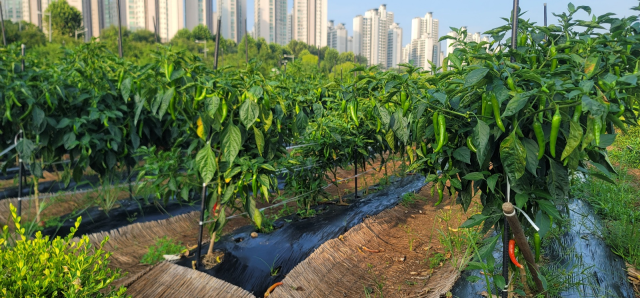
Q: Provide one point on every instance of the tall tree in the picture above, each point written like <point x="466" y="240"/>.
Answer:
<point x="65" y="19"/>
<point x="201" y="32"/>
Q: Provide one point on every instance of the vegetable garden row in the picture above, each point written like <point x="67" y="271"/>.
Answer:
<point x="513" y="129"/>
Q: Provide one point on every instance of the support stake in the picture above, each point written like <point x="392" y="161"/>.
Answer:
<point x="215" y="59"/>
<point x="119" y="30"/>
<point x="521" y="240"/>
<point x="4" y="38"/>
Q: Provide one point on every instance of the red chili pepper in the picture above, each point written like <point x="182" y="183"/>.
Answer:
<point x="215" y="207"/>
<point x="271" y="288"/>
<point x="512" y="249"/>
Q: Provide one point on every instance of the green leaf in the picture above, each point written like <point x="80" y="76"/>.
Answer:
<point x="607" y="140"/>
<point x="491" y="182"/>
<point x="521" y="199"/>
<point x="221" y="221"/>
<point x="481" y="135"/>
<point x="69" y="140"/>
<point x="488" y="246"/>
<point x="231" y="143"/>
<point x="211" y="105"/>
<point x="25" y="148"/>
<point x="499" y="281"/>
<point x="259" y="140"/>
<point x="475" y="76"/>
<point x="125" y="88"/>
<point x="591" y="65"/>
<point x="532" y="155"/>
<point x="473" y="221"/>
<point x="139" y="105"/>
<point x="548" y="208"/>
<point x="206" y="163"/>
<point x="631" y="79"/>
<point x="543" y="223"/>
<point x="513" y="156"/>
<point x="63" y="123"/>
<point x="390" y="139"/>
<point x="249" y="112"/>
<point x="586" y="86"/>
<point x="228" y="193"/>
<point x="462" y="154"/>
<point x="557" y="180"/>
<point x="166" y="100"/>
<point x="518" y="102"/>
<point x="253" y="211"/>
<point x="473" y="176"/>
<point x="302" y="121"/>
<point x="575" y="136"/>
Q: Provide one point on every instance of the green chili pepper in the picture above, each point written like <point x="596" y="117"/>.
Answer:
<point x="48" y="97"/>
<point x="511" y="84"/>
<point x="536" y="245"/>
<point x="537" y="129"/>
<point x="496" y="112"/>
<point x="27" y="112"/>
<point x="470" y="145"/>
<point x="223" y="110"/>
<point x="7" y="113"/>
<point x="619" y="114"/>
<point x="597" y="128"/>
<point x="617" y="70"/>
<point x="617" y="122"/>
<point x="555" y="128"/>
<point x="484" y="103"/>
<point x="343" y="106"/>
<point x="440" y="189"/>
<point x="442" y="132"/>
<point x="435" y="125"/>
<point x="577" y="113"/>
<point x="424" y="149"/>
<point x="554" y="61"/>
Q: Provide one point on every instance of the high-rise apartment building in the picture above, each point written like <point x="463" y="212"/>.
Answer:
<point x="425" y="48"/>
<point x="233" y="14"/>
<point x="271" y="20"/>
<point x="394" y="46"/>
<point x="289" y="36"/>
<point x="310" y="22"/>
<point x="371" y="34"/>
<point x="12" y="10"/>
<point x="337" y="37"/>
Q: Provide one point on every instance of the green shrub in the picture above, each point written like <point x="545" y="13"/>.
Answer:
<point x="163" y="246"/>
<point x="61" y="267"/>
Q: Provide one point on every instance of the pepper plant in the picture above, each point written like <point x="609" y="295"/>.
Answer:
<point x="494" y="126"/>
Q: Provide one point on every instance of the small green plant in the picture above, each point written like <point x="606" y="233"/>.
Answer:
<point x="163" y="246"/>
<point x="267" y="223"/>
<point x="273" y="270"/>
<point x="408" y="199"/>
<point x="436" y="260"/>
<point x="107" y="193"/>
<point x="62" y="267"/>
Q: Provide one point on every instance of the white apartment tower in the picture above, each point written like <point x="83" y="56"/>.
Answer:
<point x="271" y="20"/>
<point x="233" y="14"/>
<point x="394" y="46"/>
<point x="289" y="36"/>
<point x="425" y="47"/>
<point x="12" y="10"/>
<point x="337" y="37"/>
<point x="371" y="34"/>
<point x="310" y="22"/>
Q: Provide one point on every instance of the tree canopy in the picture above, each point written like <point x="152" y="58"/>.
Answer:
<point x="65" y="19"/>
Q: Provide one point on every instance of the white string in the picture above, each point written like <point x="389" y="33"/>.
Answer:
<point x="508" y="190"/>
<point x="527" y="217"/>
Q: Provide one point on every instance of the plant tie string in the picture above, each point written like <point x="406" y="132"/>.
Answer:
<point x="518" y="209"/>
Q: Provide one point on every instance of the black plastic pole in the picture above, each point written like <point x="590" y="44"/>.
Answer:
<point x="545" y="14"/>
<point x="201" y="224"/>
<point x="355" y="164"/>
<point x="119" y="30"/>
<point x="4" y="38"/>
<point x="215" y="59"/>
<point x="505" y="233"/>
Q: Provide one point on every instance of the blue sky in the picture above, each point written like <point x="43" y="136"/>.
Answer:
<point x="478" y="16"/>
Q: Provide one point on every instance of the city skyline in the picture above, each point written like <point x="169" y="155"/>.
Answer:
<point x="450" y="15"/>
